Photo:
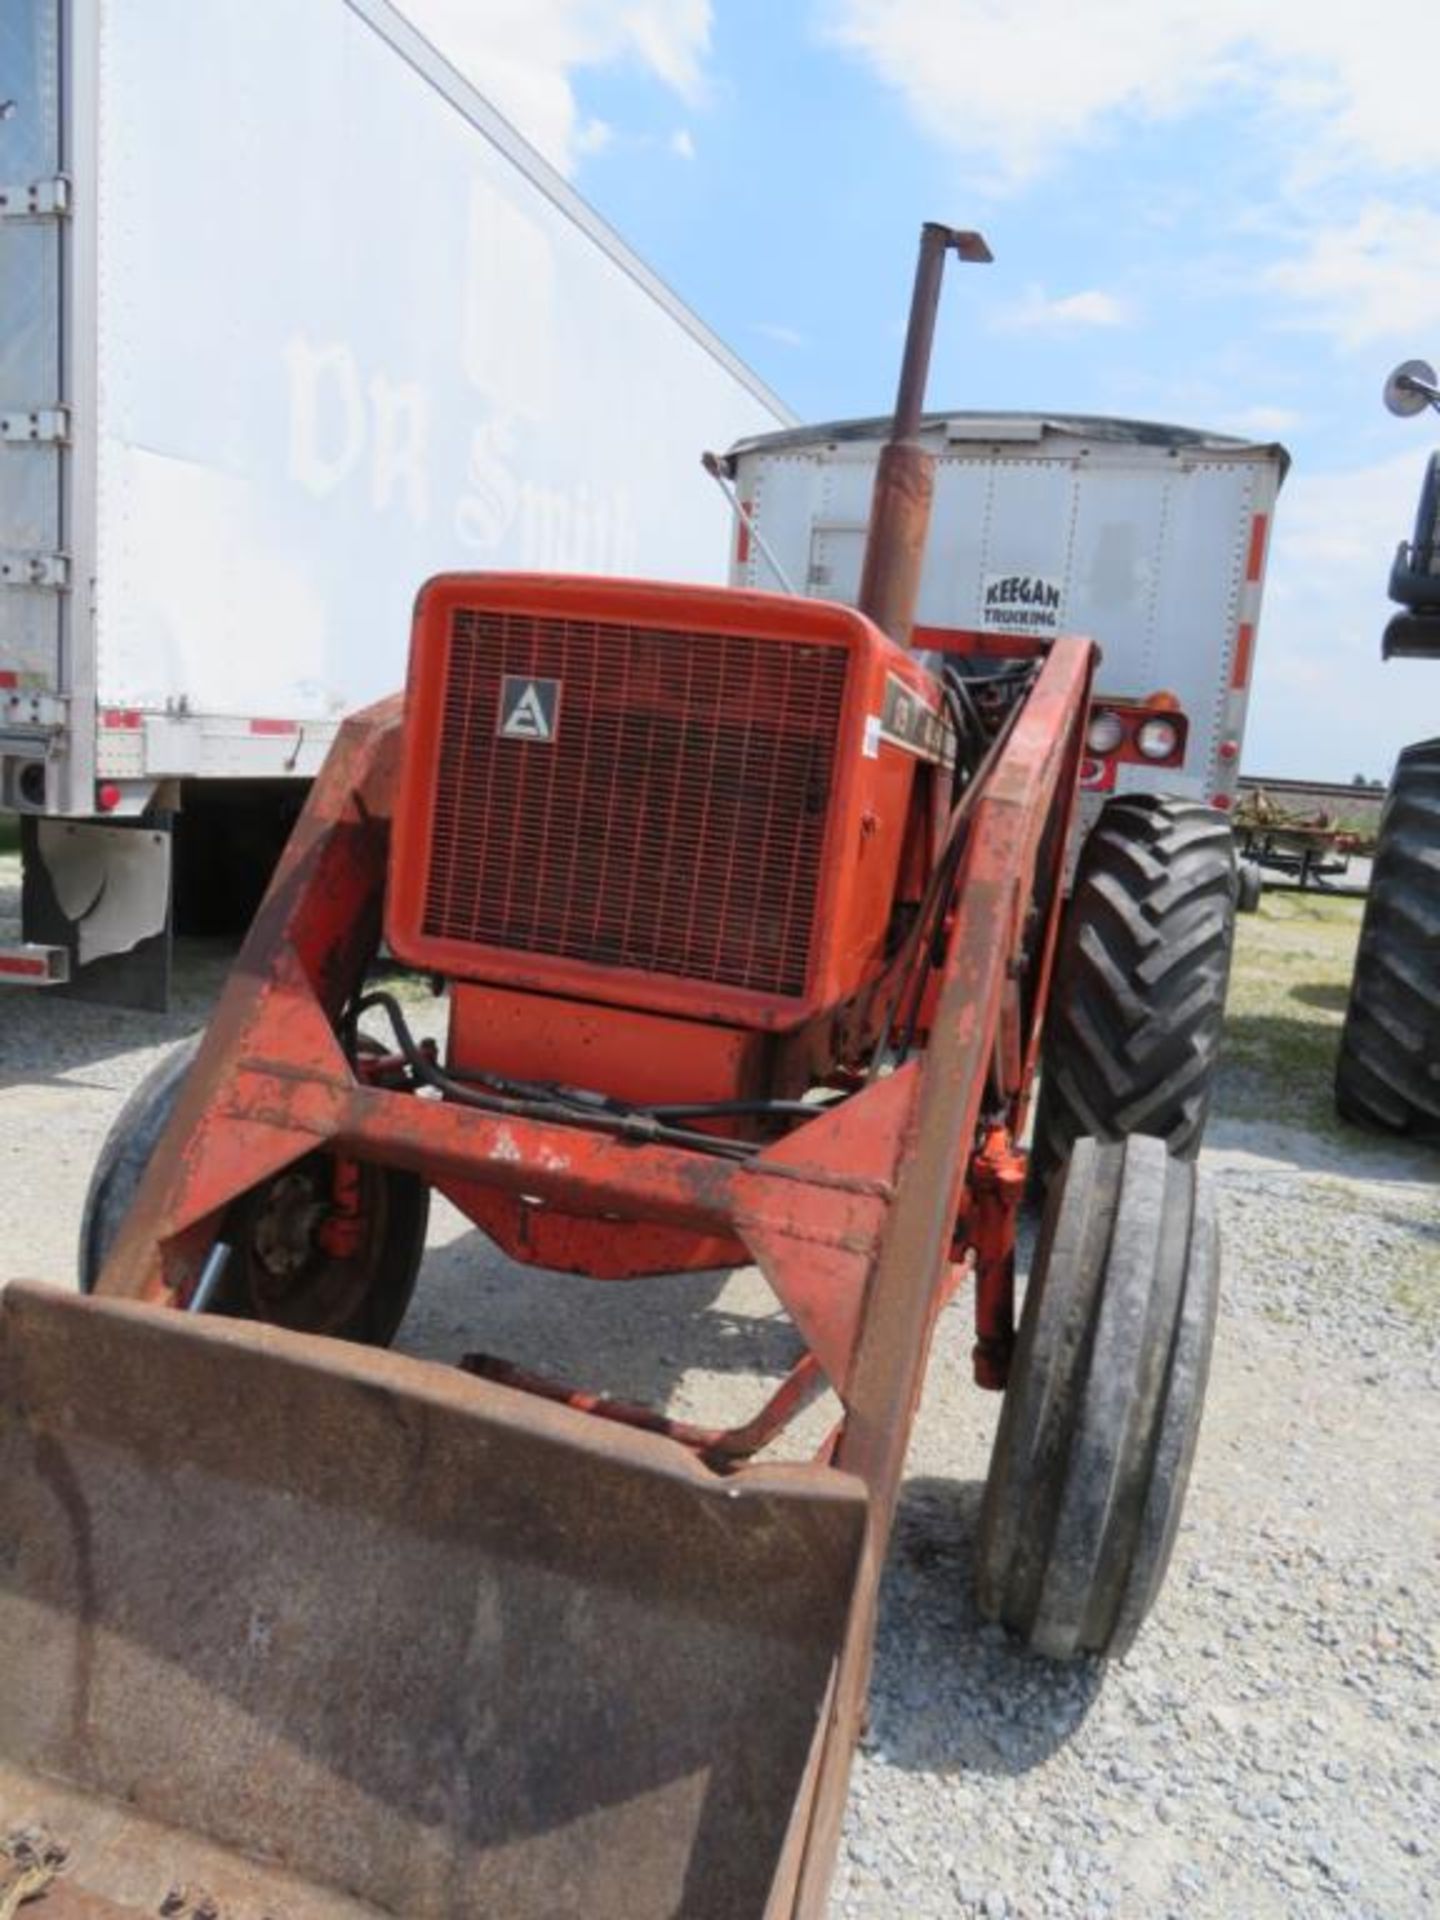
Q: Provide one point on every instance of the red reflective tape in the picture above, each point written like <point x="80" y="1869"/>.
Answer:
<point x="742" y="535"/>
<point x="26" y="966"/>
<point x="8" y="679"/>
<point x="124" y="717"/>
<point x="274" y="726"/>
<point x="1244" y="648"/>
<point x="1255" y="562"/>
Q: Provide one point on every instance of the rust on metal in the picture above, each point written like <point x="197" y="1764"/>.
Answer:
<point x="336" y="1629"/>
<point x="314" y="1601"/>
<point x="997" y="1186"/>
<point x="716" y="1446"/>
<point x="858" y="1219"/>
<point x="904" y="476"/>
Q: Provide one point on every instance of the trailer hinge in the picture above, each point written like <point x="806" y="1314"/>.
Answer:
<point x="35" y="570"/>
<point x="44" y="713"/>
<point x="39" y="200"/>
<point x="46" y="426"/>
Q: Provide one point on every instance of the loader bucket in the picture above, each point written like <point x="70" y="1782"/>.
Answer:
<point x="319" y="1629"/>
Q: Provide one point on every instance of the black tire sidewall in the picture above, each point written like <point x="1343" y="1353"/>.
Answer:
<point x="126" y="1154"/>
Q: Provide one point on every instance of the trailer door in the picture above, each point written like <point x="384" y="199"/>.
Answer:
<point x="33" y="422"/>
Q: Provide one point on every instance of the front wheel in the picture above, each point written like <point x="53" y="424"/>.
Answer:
<point x="288" y="1265"/>
<point x="1100" y="1418"/>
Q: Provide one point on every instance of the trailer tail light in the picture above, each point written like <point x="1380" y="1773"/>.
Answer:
<point x="1105" y="732"/>
<point x="29" y="964"/>
<point x="1150" y="733"/>
<point x="1157" y="739"/>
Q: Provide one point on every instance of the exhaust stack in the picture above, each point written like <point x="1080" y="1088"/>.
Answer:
<point x="904" y="479"/>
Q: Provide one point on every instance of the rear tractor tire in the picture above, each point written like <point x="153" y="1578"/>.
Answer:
<point x="1388" y="1073"/>
<point x="1099" y="1422"/>
<point x="278" y="1270"/>
<point x="1132" y="1033"/>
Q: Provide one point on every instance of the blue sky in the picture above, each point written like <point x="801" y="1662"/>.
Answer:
<point x="1222" y="213"/>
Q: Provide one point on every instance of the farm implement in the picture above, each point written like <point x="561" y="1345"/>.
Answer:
<point x="748" y="921"/>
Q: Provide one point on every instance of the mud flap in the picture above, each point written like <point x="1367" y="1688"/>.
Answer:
<point x="407" y="1634"/>
<point x="101" y="892"/>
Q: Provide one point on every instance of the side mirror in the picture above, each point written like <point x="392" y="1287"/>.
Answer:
<point x="1411" y="388"/>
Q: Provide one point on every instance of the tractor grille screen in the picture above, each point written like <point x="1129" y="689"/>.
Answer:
<point x="633" y="797"/>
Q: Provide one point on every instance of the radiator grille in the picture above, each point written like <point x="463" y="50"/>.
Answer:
<point x="674" y="824"/>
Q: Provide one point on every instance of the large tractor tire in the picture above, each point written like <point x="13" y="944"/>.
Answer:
<point x="1388" y="1074"/>
<point x="1100" y="1417"/>
<point x="278" y="1270"/>
<point x="1132" y="1033"/>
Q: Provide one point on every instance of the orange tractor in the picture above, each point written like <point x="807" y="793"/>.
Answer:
<point x="746" y="921"/>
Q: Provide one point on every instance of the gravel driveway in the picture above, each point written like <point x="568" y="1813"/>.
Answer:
<point x="1272" y="1745"/>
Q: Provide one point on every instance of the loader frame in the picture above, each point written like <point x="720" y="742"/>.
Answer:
<point x="864" y="1220"/>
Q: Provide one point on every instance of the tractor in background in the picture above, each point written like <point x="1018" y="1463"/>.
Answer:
<point x="1388" y="1073"/>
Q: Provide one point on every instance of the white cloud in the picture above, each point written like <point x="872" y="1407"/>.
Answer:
<point x="1260" y="423"/>
<point x="593" y="136"/>
<point x="1036" y="312"/>
<point x="1323" y="703"/>
<point x="1019" y="84"/>
<point x="782" y="336"/>
<point x="682" y="143"/>
<point x="1373" y="279"/>
<point x="521" y="55"/>
<point x="1347" y="523"/>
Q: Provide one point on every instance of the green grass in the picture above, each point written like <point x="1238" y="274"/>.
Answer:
<point x="1288" y="988"/>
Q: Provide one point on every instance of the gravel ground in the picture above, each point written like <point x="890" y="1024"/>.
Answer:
<point x="1272" y="1745"/>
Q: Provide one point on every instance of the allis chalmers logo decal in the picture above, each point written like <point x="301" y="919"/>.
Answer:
<point x="529" y="709"/>
<point x="1021" y="603"/>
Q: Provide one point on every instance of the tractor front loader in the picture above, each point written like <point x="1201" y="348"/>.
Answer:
<point x="746" y="920"/>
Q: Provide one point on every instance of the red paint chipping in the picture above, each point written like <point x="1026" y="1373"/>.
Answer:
<point x="1244" y="649"/>
<point x="1255" y="562"/>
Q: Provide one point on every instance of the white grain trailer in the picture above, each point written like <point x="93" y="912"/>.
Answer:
<point x="290" y="319"/>
<point x="1150" y="539"/>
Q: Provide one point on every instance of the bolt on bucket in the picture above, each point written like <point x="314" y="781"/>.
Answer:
<point x="392" y="1635"/>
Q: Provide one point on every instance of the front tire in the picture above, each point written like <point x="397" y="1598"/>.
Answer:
<point x="1132" y="1033"/>
<point x="279" y="1271"/>
<point x="1388" y="1073"/>
<point x="1100" y="1418"/>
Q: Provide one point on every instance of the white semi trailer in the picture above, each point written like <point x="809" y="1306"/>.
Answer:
<point x="290" y="318"/>
<point x="1151" y="539"/>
